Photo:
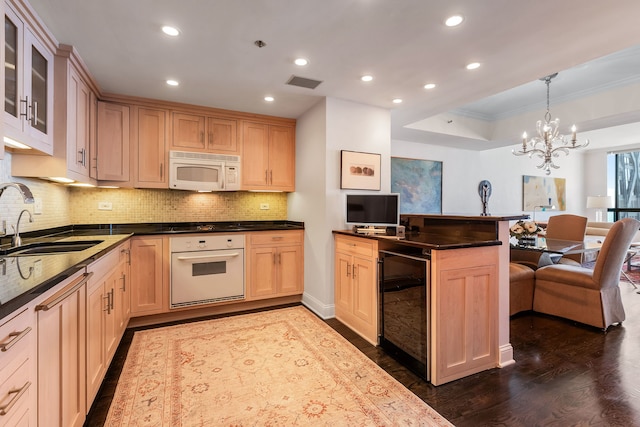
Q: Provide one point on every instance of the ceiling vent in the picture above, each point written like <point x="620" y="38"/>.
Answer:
<point x="303" y="82"/>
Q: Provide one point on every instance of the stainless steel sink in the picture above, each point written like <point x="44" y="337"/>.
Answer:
<point x="45" y="248"/>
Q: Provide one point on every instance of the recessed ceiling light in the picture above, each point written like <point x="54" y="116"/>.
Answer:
<point x="269" y="98"/>
<point x="301" y="62"/>
<point x="171" y="82"/>
<point x="170" y="31"/>
<point x="473" y="66"/>
<point x="397" y="101"/>
<point x="366" y="78"/>
<point x="429" y="85"/>
<point x="454" y="20"/>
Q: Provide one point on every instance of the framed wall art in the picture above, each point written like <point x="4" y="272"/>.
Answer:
<point x="359" y="171"/>
<point x="543" y="191"/>
<point x="419" y="183"/>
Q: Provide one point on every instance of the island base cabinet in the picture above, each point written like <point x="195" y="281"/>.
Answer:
<point x="464" y="295"/>
<point x="61" y="356"/>
<point x="356" y="287"/>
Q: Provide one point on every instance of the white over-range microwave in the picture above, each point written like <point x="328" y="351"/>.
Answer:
<point x="203" y="171"/>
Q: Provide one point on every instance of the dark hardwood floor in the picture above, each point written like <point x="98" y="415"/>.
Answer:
<point x="565" y="375"/>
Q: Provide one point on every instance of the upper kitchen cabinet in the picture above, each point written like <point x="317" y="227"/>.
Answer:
<point x="29" y="71"/>
<point x="149" y="148"/>
<point x="268" y="157"/>
<point x="113" y="147"/>
<point x="206" y="134"/>
<point x="73" y="123"/>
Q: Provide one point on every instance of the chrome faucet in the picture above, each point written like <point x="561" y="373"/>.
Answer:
<point x="26" y="195"/>
<point x="16" y="240"/>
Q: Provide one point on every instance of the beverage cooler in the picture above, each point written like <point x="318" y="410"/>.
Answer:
<point x="404" y="307"/>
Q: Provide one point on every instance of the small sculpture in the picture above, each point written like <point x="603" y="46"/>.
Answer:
<point x="484" y="190"/>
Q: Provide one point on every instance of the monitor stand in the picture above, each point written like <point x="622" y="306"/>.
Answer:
<point x="369" y="229"/>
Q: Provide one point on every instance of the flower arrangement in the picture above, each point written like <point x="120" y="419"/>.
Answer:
<point x="524" y="229"/>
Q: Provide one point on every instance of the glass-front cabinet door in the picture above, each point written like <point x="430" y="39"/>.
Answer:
<point x="28" y="85"/>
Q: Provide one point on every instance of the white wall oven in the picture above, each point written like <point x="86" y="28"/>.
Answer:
<point x="206" y="268"/>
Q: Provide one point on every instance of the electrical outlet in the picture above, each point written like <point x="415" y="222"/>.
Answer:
<point x="37" y="206"/>
<point x="105" y="206"/>
<point x="264" y="206"/>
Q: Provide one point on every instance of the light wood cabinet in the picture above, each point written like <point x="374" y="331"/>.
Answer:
<point x="28" y="81"/>
<point x="268" y="157"/>
<point x="78" y="123"/>
<point x="103" y="329"/>
<point x="61" y="354"/>
<point x="275" y="264"/>
<point x="356" y="285"/>
<point x="149" y="145"/>
<point x="113" y="142"/>
<point x="192" y="132"/>
<point x="122" y="292"/>
<point x="18" y="383"/>
<point x="149" y="275"/>
<point x="464" y="295"/>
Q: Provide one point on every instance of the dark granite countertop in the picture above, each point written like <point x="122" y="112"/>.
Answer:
<point x="425" y="240"/>
<point x="25" y="277"/>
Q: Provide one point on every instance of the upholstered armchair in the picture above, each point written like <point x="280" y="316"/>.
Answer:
<point x="567" y="227"/>
<point x="583" y="295"/>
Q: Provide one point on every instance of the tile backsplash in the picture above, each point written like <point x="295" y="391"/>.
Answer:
<point x="67" y="205"/>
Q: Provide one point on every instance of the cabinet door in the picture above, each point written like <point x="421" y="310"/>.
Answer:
<point x="343" y="287"/>
<point x="13" y="70"/>
<point x="255" y="156"/>
<point x="364" y="290"/>
<point x="113" y="142"/>
<point x="222" y="136"/>
<point x="262" y="272"/>
<point x="290" y="270"/>
<point x="282" y="158"/>
<point x="78" y="123"/>
<point x="97" y="303"/>
<point x="112" y="320"/>
<point x="61" y="360"/>
<point x="151" y="156"/>
<point x="39" y="83"/>
<point x="147" y="278"/>
<point x="93" y="135"/>
<point x="188" y="132"/>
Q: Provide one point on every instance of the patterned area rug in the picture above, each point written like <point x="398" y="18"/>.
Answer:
<point x="283" y="367"/>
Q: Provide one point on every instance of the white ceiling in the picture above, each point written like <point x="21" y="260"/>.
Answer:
<point x="403" y="44"/>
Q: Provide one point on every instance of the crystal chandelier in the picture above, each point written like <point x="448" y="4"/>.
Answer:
<point x="549" y="143"/>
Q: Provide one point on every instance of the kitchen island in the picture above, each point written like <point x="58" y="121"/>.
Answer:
<point x="465" y="300"/>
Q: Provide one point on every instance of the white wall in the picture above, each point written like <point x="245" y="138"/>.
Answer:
<point x="322" y="132"/>
<point x="463" y="170"/>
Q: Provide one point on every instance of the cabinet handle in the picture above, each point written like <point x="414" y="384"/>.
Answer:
<point x="128" y="252"/>
<point x="354" y="270"/>
<point x="124" y="282"/>
<point x="279" y="258"/>
<point x="210" y="139"/>
<point x="4" y="409"/>
<point x="271" y="181"/>
<point x="16" y="336"/>
<point x="201" y="136"/>
<point x="57" y="299"/>
<point x="108" y="299"/>
<point x="111" y="302"/>
<point x="277" y="237"/>
<point x="266" y="176"/>
<point x="82" y="160"/>
<point x="34" y="116"/>
<point x="25" y="101"/>
<point x="348" y="269"/>
<point x="161" y="170"/>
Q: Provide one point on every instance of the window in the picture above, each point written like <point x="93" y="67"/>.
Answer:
<point x="626" y="167"/>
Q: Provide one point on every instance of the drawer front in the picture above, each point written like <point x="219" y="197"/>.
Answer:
<point x="276" y="237"/>
<point x="356" y="246"/>
<point x="15" y="342"/>
<point x="105" y="264"/>
<point x="15" y="397"/>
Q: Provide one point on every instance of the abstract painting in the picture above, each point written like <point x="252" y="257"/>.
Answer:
<point x="419" y="183"/>
<point x="543" y="191"/>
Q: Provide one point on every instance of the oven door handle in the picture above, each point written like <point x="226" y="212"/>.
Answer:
<point x="188" y="258"/>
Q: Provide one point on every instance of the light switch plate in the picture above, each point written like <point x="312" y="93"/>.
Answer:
<point x="105" y="206"/>
<point x="264" y="206"/>
<point x="37" y="206"/>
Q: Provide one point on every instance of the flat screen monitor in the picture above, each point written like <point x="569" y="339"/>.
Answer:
<point x="373" y="209"/>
